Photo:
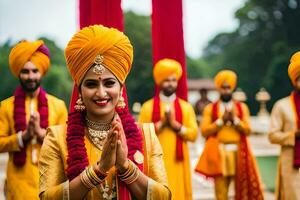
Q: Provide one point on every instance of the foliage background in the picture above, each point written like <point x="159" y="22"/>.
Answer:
<point x="258" y="50"/>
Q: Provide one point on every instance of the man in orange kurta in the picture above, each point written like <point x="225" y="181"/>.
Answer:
<point x="225" y="125"/>
<point x="24" y="118"/>
<point x="175" y="124"/>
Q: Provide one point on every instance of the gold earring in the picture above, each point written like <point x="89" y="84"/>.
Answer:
<point x="121" y="103"/>
<point x="79" y="105"/>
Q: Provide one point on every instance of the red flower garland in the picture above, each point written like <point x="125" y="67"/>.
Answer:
<point x="77" y="155"/>
<point x="19" y="157"/>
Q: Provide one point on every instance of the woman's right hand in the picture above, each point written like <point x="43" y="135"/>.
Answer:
<point x="108" y="157"/>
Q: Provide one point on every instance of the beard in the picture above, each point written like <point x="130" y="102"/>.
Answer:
<point x="168" y="91"/>
<point x="30" y="85"/>
<point x="226" y="97"/>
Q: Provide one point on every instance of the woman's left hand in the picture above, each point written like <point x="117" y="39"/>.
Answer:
<point x="122" y="149"/>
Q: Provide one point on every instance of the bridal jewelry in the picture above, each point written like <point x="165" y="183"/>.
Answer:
<point x="98" y="132"/>
<point x="99" y="68"/>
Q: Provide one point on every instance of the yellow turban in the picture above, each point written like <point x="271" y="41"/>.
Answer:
<point x="294" y="67"/>
<point x="226" y="76"/>
<point x="25" y="51"/>
<point x="166" y="67"/>
<point x="91" y="41"/>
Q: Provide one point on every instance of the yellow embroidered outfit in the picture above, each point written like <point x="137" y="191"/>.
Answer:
<point x="53" y="163"/>
<point x="22" y="182"/>
<point x="179" y="176"/>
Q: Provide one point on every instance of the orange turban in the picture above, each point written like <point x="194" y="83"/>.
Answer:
<point x="166" y="67"/>
<point x="226" y="76"/>
<point x="95" y="40"/>
<point x="294" y="67"/>
<point x="25" y="51"/>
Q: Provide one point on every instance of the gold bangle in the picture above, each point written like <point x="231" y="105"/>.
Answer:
<point x="128" y="182"/>
<point x="85" y="180"/>
<point x="131" y="174"/>
<point x="95" y="176"/>
<point x="102" y="175"/>
<point x="126" y="173"/>
<point x="91" y="177"/>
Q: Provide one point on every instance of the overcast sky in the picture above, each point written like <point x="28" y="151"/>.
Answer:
<point x="57" y="19"/>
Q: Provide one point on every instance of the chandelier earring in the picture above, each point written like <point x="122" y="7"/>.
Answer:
<point x="121" y="103"/>
<point x="79" y="106"/>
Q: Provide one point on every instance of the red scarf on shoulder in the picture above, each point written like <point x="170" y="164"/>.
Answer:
<point x="178" y="117"/>
<point x="296" y="100"/>
<point x="19" y="157"/>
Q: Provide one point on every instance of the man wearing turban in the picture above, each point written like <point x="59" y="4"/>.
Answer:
<point x="285" y="131"/>
<point x="226" y="156"/>
<point x="175" y="124"/>
<point x="24" y="118"/>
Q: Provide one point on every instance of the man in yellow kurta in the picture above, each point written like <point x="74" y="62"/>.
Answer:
<point x="175" y="123"/>
<point x="227" y="122"/>
<point x="284" y="131"/>
<point x="24" y="118"/>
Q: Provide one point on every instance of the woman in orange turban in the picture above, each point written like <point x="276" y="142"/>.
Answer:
<point x="101" y="154"/>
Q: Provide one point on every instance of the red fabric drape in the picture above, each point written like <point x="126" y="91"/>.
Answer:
<point x="296" y="99"/>
<point x="178" y="117"/>
<point x="167" y="37"/>
<point x="106" y="12"/>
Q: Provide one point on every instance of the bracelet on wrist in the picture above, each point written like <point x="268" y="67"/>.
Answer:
<point x="131" y="174"/>
<point x="90" y="178"/>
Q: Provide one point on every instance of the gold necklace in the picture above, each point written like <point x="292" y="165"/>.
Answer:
<point x="97" y="131"/>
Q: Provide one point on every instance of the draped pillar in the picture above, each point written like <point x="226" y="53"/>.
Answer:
<point x="167" y="37"/>
<point x="106" y="12"/>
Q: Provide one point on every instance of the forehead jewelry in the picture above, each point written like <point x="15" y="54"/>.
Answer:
<point x="99" y="67"/>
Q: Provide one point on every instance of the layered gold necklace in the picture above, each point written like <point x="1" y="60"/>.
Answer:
<point x="97" y="131"/>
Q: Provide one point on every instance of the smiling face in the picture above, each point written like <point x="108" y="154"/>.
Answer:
<point x="100" y="94"/>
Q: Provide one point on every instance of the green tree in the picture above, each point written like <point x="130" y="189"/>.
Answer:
<point x="8" y="81"/>
<point x="260" y="48"/>
<point x="197" y="68"/>
<point x="140" y="84"/>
